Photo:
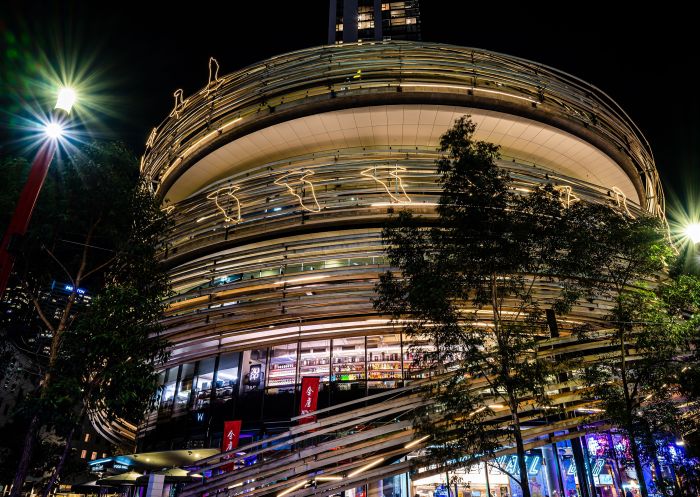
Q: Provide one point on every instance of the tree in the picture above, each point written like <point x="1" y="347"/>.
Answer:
<point x="635" y="380"/>
<point x="469" y="285"/>
<point x="102" y="233"/>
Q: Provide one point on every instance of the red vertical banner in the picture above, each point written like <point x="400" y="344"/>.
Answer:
<point x="232" y="432"/>
<point x="309" y="398"/>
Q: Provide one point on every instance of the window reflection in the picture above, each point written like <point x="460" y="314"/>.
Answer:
<point x="184" y="387"/>
<point x="253" y="369"/>
<point x="203" y="383"/>
<point x="226" y="382"/>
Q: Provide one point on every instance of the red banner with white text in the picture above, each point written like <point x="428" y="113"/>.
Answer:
<point x="232" y="432"/>
<point x="309" y="398"/>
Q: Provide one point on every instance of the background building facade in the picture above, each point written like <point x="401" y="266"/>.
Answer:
<point x="279" y="178"/>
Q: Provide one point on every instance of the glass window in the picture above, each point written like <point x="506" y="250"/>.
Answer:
<point x="169" y="388"/>
<point x="283" y="366"/>
<point x="315" y="359"/>
<point x="184" y="387"/>
<point x="253" y="369"/>
<point x="203" y="383"/>
<point x="227" y="375"/>
<point x="348" y="359"/>
<point x="384" y="360"/>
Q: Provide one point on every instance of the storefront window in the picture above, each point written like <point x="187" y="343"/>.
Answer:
<point x="384" y="368"/>
<point x="169" y="388"/>
<point x="253" y="370"/>
<point x="226" y="382"/>
<point x="348" y="360"/>
<point x="283" y="367"/>
<point x="203" y="383"/>
<point x="184" y="387"/>
<point x="315" y="360"/>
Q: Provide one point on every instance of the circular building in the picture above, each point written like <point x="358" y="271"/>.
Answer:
<point x="279" y="178"/>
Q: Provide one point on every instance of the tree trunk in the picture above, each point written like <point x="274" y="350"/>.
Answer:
<point x="522" y="467"/>
<point x="25" y="457"/>
<point x="638" y="465"/>
<point x="59" y="467"/>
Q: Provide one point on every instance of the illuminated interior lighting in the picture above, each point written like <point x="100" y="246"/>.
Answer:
<point x="66" y="99"/>
<point x="416" y="442"/>
<point x="214" y="81"/>
<point x="302" y="279"/>
<point x="180" y="104"/>
<point x="394" y="173"/>
<point x="227" y="191"/>
<point x="365" y="467"/>
<point x="692" y="231"/>
<point x="53" y="130"/>
<point x="283" y="181"/>
<point x="292" y="488"/>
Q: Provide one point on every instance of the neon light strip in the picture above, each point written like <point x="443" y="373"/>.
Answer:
<point x="472" y="88"/>
<point x="231" y="190"/>
<point x="293" y="488"/>
<point x="371" y="173"/>
<point x="304" y="174"/>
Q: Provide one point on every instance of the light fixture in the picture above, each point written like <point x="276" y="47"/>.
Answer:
<point x="692" y="231"/>
<point x="328" y="478"/>
<point x="364" y="468"/>
<point x="416" y="442"/>
<point x="53" y="130"/>
<point x="66" y="99"/>
<point x="293" y="488"/>
<point x="680" y="443"/>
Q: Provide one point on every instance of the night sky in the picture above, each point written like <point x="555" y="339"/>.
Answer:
<point x="139" y="53"/>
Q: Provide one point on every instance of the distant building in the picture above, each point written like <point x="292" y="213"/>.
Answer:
<point x="378" y="20"/>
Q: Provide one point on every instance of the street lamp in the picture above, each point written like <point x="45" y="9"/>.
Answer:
<point x="692" y="231"/>
<point x="30" y="192"/>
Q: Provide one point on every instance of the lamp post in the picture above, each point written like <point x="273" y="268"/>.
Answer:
<point x="30" y="192"/>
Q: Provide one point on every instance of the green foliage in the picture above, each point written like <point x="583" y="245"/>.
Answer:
<point x="468" y="287"/>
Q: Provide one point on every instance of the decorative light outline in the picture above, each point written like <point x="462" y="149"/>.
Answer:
<point x="566" y="195"/>
<point x="179" y="105"/>
<point x="231" y="190"/>
<point x="152" y="137"/>
<point x="367" y="173"/>
<point x="168" y="209"/>
<point x="214" y="84"/>
<point x="304" y="172"/>
<point x="621" y="199"/>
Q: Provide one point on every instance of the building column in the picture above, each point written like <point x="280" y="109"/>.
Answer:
<point x="156" y="485"/>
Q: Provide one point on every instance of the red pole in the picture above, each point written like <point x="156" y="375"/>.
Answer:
<point x="23" y="211"/>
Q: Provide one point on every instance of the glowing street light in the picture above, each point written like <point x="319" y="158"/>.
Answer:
<point x="692" y="231"/>
<point x="66" y="99"/>
<point x="53" y="130"/>
<point x="30" y="192"/>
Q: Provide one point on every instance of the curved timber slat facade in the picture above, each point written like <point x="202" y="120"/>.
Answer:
<point x="279" y="178"/>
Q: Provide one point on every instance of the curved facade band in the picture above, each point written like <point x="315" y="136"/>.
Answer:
<point x="279" y="178"/>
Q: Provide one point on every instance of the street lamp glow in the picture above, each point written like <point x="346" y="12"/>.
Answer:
<point x="66" y="99"/>
<point x="692" y="231"/>
<point x="53" y="130"/>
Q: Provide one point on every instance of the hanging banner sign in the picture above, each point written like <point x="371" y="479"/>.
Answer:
<point x="309" y="398"/>
<point x="232" y="431"/>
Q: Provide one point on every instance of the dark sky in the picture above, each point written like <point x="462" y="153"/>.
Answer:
<point x="143" y="51"/>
